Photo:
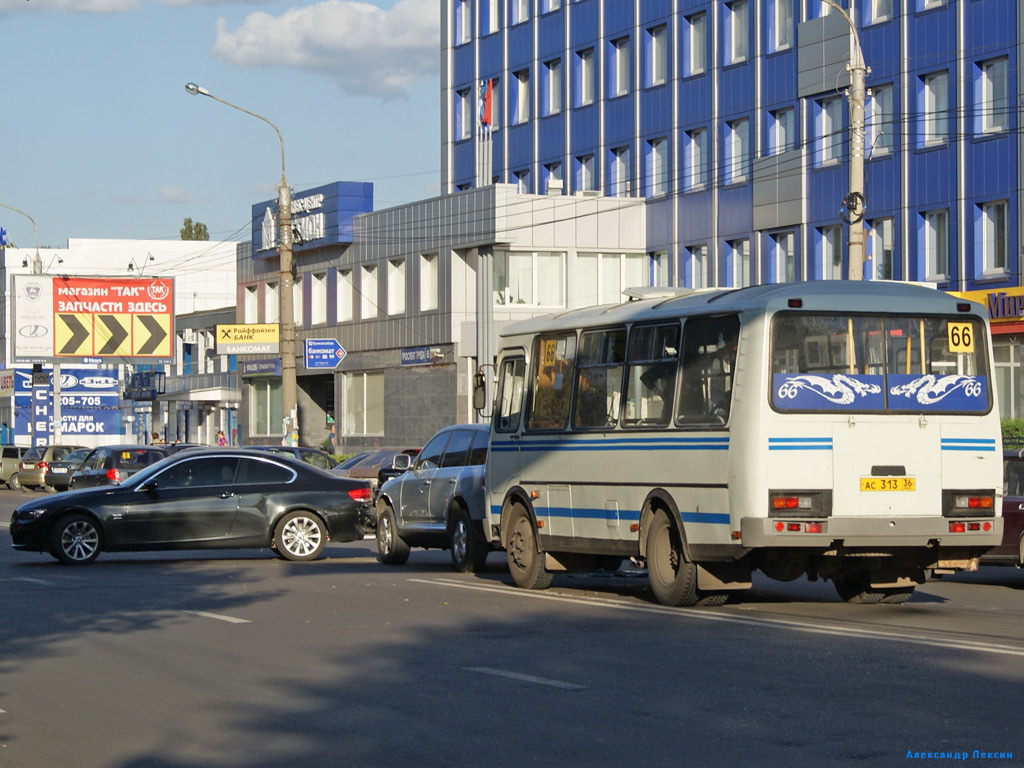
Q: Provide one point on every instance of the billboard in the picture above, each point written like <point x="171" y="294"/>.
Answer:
<point x="93" y="319"/>
<point x="89" y="404"/>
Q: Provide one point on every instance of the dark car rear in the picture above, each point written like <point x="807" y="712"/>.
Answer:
<point x="112" y="464"/>
<point x="58" y="474"/>
<point x="1011" y="550"/>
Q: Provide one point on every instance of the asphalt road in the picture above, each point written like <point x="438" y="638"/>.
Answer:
<point x="242" y="659"/>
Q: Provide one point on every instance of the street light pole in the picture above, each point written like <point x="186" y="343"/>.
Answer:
<point x="289" y="390"/>
<point x="37" y="269"/>
<point x="854" y="203"/>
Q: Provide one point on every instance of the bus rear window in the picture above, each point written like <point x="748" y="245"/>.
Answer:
<point x="878" y="363"/>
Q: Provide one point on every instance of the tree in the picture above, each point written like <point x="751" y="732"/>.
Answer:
<point x="194" y="231"/>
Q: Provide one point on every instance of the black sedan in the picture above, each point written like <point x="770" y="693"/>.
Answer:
<point x="203" y="499"/>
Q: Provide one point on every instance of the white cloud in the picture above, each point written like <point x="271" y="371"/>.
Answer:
<point x="365" y="49"/>
<point x="176" y="195"/>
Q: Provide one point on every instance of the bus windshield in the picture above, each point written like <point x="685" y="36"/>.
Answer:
<point x="878" y="363"/>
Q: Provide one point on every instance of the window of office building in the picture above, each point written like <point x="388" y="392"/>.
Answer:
<point x="584" y="77"/>
<point x="520" y="96"/>
<point x="428" y="281"/>
<point x="620" y="172"/>
<point x="271" y="304"/>
<point x="993" y="236"/>
<point x="739" y="252"/>
<point x="656" y="56"/>
<point x="463" y="114"/>
<point x="524" y="184"/>
<point x="657" y="167"/>
<point x="990" y="90"/>
<point x="933" y="106"/>
<point x="493" y="8"/>
<point x="318" y="298"/>
<point x="782" y="246"/>
<point x="737" y="150"/>
<point x="695" y="161"/>
<point x="363" y="396"/>
<point x="876" y="11"/>
<point x="266" y="407"/>
<point x="368" y="292"/>
<point x="601" y="277"/>
<point x="585" y="178"/>
<point x="933" y="234"/>
<point x="346" y="290"/>
<point x="737" y="31"/>
<point x="396" y="286"/>
<point x="551" y="87"/>
<point x="251" y="312"/>
<point x="781" y="130"/>
<point x="463" y="21"/>
<point x="697" y="255"/>
<point x="547" y="6"/>
<point x="660" y="268"/>
<point x="695" y="61"/>
<point x="618" y="67"/>
<point x="879" y="118"/>
<point x="830" y="249"/>
<point x="828" y="125"/>
<point x="520" y="11"/>
<point x="553" y="173"/>
<point x="880" y="248"/>
<point x="529" y="278"/>
<point x="780" y="25"/>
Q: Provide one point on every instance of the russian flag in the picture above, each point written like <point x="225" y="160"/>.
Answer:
<point x="485" y="102"/>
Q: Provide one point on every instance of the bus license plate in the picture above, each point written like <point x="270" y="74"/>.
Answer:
<point x="887" y="484"/>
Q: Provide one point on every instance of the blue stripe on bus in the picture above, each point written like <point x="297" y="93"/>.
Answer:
<point x="618" y="444"/>
<point x="624" y="515"/>
<point x="799" y="443"/>
<point x="968" y="444"/>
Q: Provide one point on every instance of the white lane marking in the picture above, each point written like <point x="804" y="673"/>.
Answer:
<point x="30" y="580"/>
<point x="796" y="626"/>
<point x="526" y="678"/>
<point x="219" y="617"/>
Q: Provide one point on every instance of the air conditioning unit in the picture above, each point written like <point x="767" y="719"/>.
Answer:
<point x="588" y="193"/>
<point x="189" y="336"/>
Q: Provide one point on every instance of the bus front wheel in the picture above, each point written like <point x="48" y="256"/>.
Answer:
<point x="673" y="578"/>
<point x="525" y="563"/>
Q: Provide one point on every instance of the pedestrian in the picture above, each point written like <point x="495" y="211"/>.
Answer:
<point x="221" y="440"/>
<point x="330" y="442"/>
<point x="157" y="440"/>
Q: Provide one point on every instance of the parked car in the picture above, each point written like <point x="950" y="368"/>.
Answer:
<point x="173" y="448"/>
<point x="439" y="501"/>
<point x="58" y="475"/>
<point x="308" y="455"/>
<point x="369" y="468"/>
<point x="10" y="463"/>
<point x="1011" y="550"/>
<point x="224" y="498"/>
<point x="113" y="464"/>
<point x="342" y="467"/>
<point x="35" y="462"/>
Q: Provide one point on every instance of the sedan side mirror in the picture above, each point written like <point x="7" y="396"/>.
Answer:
<point x="402" y="462"/>
<point x="148" y="486"/>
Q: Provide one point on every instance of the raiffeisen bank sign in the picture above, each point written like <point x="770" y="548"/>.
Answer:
<point x="320" y="217"/>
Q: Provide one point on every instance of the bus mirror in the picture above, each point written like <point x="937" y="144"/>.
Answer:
<point x="479" y="391"/>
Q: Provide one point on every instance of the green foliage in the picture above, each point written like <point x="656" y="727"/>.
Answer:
<point x="1013" y="429"/>
<point x="194" y="230"/>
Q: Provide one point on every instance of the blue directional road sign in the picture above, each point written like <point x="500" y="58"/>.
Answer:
<point x="324" y="353"/>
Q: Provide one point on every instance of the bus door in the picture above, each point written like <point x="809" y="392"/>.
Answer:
<point x="502" y="470"/>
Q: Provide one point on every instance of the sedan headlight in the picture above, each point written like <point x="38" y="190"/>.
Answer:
<point x="33" y="513"/>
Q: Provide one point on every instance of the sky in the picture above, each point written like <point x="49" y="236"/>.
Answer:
<point x="99" y="139"/>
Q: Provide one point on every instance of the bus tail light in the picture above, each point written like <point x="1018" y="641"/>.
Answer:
<point x="979" y="503"/>
<point x="799" y="503"/>
<point x="798" y="527"/>
<point x="969" y="526"/>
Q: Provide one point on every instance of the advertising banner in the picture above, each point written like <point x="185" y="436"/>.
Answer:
<point x="89" y="404"/>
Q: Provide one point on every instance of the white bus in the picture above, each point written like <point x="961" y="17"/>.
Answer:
<point x="838" y="430"/>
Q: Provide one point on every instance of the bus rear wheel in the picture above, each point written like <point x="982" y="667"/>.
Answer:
<point x="525" y="563"/>
<point x="672" y="577"/>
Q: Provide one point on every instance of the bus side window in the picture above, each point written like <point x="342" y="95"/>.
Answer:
<point x="709" y="362"/>
<point x="555" y="357"/>
<point x="651" y="375"/>
<point x="599" y="378"/>
<point x="510" y="395"/>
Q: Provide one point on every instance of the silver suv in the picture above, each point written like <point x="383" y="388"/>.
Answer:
<point x="439" y="501"/>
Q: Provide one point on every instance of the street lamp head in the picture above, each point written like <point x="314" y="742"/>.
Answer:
<point x="195" y="90"/>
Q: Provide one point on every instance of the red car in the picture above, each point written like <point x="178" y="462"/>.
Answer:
<point x="1011" y="551"/>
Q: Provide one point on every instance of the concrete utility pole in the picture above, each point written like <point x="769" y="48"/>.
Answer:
<point x="289" y="387"/>
<point x="854" y="203"/>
